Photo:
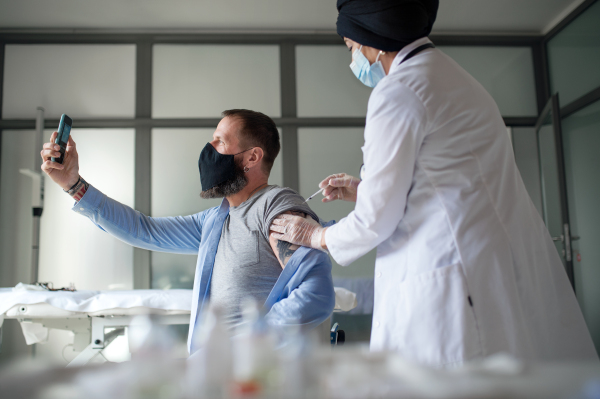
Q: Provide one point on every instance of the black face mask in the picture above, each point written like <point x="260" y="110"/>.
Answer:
<point x="215" y="168"/>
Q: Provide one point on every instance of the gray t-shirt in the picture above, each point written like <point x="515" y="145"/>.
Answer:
<point x="245" y="264"/>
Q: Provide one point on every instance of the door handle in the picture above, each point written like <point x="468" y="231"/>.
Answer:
<point x="567" y="236"/>
<point x="567" y="249"/>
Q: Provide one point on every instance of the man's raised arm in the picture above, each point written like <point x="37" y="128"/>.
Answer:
<point x="180" y="234"/>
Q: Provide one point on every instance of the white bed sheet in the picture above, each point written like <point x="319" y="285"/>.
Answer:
<point x="66" y="304"/>
<point x="97" y="303"/>
<point x="32" y="307"/>
<point x="93" y="303"/>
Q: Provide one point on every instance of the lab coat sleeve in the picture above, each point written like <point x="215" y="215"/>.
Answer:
<point x="395" y="129"/>
<point x="308" y="298"/>
<point x="181" y="234"/>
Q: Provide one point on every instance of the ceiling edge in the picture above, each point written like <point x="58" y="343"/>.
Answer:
<point x="562" y="15"/>
<point x="324" y="32"/>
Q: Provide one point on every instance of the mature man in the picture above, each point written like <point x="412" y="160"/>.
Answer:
<point x="236" y="256"/>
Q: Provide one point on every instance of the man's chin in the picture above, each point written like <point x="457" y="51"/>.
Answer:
<point x="225" y="189"/>
<point x="210" y="194"/>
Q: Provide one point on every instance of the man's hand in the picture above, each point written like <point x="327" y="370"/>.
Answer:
<point x="297" y="230"/>
<point x="67" y="173"/>
<point x="340" y="187"/>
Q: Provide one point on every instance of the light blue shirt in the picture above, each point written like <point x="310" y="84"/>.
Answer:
<point x="303" y="294"/>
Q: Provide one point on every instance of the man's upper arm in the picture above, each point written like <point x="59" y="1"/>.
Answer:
<point x="285" y="201"/>
<point x="284" y="250"/>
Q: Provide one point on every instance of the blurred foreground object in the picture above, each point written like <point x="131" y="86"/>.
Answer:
<point x="302" y="371"/>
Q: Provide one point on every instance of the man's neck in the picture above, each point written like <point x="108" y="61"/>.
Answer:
<point x="247" y="192"/>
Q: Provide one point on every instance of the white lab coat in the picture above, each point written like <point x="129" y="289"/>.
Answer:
<point x="465" y="266"/>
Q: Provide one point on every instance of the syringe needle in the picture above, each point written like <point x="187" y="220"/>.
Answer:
<point x="311" y="197"/>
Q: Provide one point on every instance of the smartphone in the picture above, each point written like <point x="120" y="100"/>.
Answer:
<point x="62" y="138"/>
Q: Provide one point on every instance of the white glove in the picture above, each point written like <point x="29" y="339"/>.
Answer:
<point x="340" y="187"/>
<point x="297" y="230"/>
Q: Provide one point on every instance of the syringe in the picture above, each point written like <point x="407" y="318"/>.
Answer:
<point x="311" y="197"/>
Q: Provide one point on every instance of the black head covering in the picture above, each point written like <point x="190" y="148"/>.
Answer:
<point x="386" y="25"/>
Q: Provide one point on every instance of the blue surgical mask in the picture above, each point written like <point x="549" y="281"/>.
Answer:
<point x="368" y="74"/>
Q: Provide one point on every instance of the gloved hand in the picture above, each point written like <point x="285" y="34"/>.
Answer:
<point x="340" y="186"/>
<point x="297" y="230"/>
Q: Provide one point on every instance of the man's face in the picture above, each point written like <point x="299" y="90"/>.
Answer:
<point x="226" y="138"/>
<point x="226" y="141"/>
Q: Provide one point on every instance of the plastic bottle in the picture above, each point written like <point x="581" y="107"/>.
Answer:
<point x="153" y="370"/>
<point x="209" y="369"/>
<point x="255" y="362"/>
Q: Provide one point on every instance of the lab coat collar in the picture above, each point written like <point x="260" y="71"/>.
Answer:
<point x="404" y="52"/>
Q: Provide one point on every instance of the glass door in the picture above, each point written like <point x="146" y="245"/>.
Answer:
<point x="553" y="182"/>
<point x="581" y="143"/>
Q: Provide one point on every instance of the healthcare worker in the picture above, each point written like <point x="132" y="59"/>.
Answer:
<point x="465" y="266"/>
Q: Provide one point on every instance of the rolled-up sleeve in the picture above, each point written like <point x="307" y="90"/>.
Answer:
<point x="181" y="234"/>
<point x="395" y="129"/>
<point x="308" y="297"/>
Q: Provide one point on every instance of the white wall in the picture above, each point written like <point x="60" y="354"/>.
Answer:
<point x="83" y="81"/>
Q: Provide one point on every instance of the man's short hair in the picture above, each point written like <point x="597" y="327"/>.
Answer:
<point x="258" y="130"/>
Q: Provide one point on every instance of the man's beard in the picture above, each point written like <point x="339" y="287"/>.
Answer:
<point x="229" y="187"/>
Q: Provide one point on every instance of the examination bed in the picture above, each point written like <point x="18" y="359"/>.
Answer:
<point x="88" y="314"/>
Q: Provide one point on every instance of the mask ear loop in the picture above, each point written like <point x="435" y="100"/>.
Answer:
<point x="243" y="151"/>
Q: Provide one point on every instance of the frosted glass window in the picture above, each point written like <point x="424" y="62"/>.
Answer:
<point x="191" y="81"/>
<point x="86" y="255"/>
<point x="581" y="138"/>
<point x="321" y="154"/>
<point x="176" y="191"/>
<point x="325" y="84"/>
<point x="82" y="81"/>
<point x="527" y="160"/>
<point x="574" y="57"/>
<point x="505" y="72"/>
<point x="18" y="152"/>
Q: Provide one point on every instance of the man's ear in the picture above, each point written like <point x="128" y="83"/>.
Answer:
<point x="256" y="156"/>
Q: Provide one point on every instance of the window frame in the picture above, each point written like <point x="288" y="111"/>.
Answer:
<point x="289" y="122"/>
